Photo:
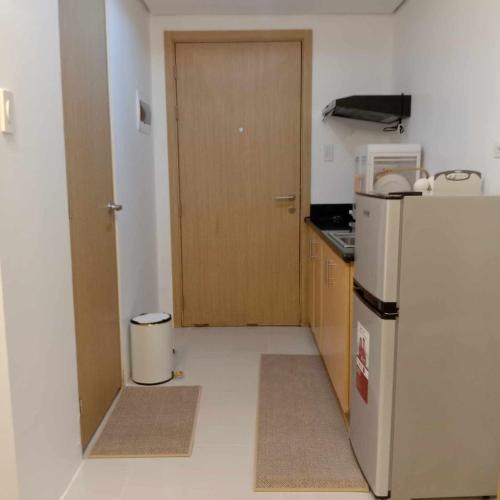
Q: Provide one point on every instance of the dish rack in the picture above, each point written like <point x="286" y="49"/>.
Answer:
<point x="373" y="161"/>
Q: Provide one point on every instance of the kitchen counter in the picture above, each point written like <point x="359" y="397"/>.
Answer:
<point x="347" y="254"/>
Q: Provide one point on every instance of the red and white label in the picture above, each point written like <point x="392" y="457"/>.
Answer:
<point x="362" y="361"/>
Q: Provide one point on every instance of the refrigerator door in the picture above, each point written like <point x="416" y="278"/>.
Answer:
<point x="377" y="245"/>
<point x="372" y="384"/>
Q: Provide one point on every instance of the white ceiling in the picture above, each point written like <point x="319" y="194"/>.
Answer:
<point x="227" y="7"/>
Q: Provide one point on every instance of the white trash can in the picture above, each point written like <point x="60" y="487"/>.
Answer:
<point x="152" y="349"/>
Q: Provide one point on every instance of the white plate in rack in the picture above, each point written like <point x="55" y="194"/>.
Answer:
<point x="392" y="183"/>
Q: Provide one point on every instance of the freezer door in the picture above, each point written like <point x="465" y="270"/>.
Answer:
<point x="372" y="384"/>
<point x="377" y="246"/>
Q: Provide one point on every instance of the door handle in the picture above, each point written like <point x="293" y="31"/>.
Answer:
<point x="286" y="197"/>
<point x="114" y="207"/>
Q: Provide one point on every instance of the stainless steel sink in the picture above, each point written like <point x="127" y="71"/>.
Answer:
<point x="346" y="239"/>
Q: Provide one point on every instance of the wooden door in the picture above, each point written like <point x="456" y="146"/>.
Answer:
<point x="335" y="340"/>
<point x="239" y="140"/>
<point x="92" y="225"/>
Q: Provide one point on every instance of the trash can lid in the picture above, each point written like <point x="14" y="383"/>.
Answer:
<point x="151" y="318"/>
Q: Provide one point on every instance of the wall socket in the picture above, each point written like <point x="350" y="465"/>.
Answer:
<point x="6" y="111"/>
<point x="496" y="150"/>
<point x="328" y="152"/>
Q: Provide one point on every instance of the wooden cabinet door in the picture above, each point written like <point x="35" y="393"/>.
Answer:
<point x="335" y="337"/>
<point x="310" y="277"/>
<point x="315" y="284"/>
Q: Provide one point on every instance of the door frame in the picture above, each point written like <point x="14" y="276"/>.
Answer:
<point x="171" y="38"/>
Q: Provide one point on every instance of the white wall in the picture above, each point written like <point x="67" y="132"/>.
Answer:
<point x="35" y="253"/>
<point x="447" y="55"/>
<point x="8" y="467"/>
<point x="351" y="54"/>
<point x="129" y="71"/>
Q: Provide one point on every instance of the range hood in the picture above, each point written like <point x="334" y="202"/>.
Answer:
<point x="386" y="109"/>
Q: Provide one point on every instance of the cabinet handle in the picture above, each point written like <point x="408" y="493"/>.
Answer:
<point x="312" y="246"/>
<point x="330" y="275"/>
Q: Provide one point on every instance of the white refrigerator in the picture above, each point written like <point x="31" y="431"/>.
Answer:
<point x="418" y="283"/>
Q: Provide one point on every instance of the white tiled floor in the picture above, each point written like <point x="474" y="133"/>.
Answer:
<point x="225" y="362"/>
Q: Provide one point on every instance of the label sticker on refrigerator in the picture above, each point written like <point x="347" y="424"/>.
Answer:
<point x="362" y="361"/>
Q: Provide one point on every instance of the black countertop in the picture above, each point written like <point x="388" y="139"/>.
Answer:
<point x="347" y="254"/>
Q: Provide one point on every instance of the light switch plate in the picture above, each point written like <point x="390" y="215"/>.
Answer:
<point x="6" y="111"/>
<point x="496" y="150"/>
<point x="328" y="152"/>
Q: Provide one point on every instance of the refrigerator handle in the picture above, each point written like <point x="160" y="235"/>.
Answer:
<point x="387" y="310"/>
